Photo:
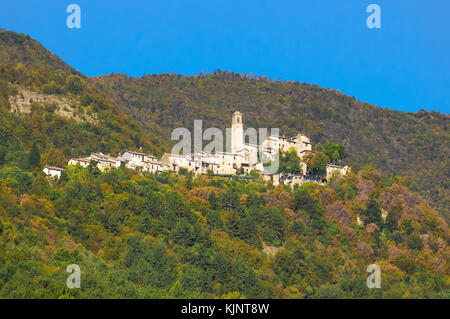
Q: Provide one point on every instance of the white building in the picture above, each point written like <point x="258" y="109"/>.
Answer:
<point x="237" y="133"/>
<point x="157" y="166"/>
<point x="53" y="171"/>
<point x="336" y="170"/>
<point x="84" y="162"/>
<point x="103" y="161"/>
<point x="200" y="163"/>
<point x="299" y="179"/>
<point x="241" y="157"/>
<point x="144" y="162"/>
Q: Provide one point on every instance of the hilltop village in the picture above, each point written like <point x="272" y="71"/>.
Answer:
<point x="243" y="158"/>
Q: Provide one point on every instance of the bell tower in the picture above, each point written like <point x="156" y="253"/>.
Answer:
<point x="237" y="132"/>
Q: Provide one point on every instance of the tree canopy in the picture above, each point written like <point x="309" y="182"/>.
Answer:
<point x="335" y="152"/>
<point x="317" y="163"/>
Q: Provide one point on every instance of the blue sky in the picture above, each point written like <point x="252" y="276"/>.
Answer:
<point x="405" y="65"/>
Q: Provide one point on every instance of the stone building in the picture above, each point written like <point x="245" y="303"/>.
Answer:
<point x="246" y="156"/>
<point x="241" y="157"/>
<point x="335" y="170"/>
<point x="53" y="171"/>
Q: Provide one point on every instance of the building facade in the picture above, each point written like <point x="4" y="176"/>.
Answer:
<point x="242" y="157"/>
<point x="54" y="172"/>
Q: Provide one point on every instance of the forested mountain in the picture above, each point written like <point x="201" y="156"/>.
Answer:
<point x="138" y="235"/>
<point x="44" y="100"/>
<point x="413" y="145"/>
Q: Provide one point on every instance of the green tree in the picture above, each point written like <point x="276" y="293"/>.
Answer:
<point x="189" y="182"/>
<point x="93" y="168"/>
<point x="329" y="291"/>
<point x="335" y="152"/>
<point x="317" y="163"/>
<point x="290" y="162"/>
<point x="373" y="213"/>
<point x="390" y="223"/>
<point x="304" y="201"/>
<point x="34" y="157"/>
<point x="210" y="173"/>
<point x="74" y="85"/>
<point x="405" y="263"/>
<point x="3" y="153"/>
<point x="274" y="225"/>
<point x="183" y="233"/>
<point x="146" y="224"/>
<point x="212" y="199"/>
<point x="414" y="241"/>
<point x="248" y="231"/>
<point x="230" y="200"/>
<point x="406" y="227"/>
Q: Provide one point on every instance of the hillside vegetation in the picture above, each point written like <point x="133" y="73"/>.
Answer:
<point x="45" y="101"/>
<point x="140" y="235"/>
<point x="142" y="112"/>
<point x="416" y="145"/>
<point x="173" y="236"/>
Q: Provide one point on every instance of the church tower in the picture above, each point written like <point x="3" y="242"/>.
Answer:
<point x="237" y="133"/>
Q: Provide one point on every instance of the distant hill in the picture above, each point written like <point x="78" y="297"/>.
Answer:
<point x="43" y="99"/>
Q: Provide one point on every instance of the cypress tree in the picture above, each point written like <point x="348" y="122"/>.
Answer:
<point x="34" y="157"/>
<point x="373" y="213"/>
<point x="391" y="222"/>
<point x="212" y="199"/>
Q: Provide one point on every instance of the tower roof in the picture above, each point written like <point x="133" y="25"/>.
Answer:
<point x="236" y="118"/>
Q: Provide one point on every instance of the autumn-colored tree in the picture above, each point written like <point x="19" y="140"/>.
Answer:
<point x="54" y="157"/>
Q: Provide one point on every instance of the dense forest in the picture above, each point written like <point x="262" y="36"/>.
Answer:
<point x="66" y="116"/>
<point x="146" y="236"/>
<point x="140" y="235"/>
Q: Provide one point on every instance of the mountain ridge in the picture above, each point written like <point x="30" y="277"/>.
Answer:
<point x="421" y="110"/>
